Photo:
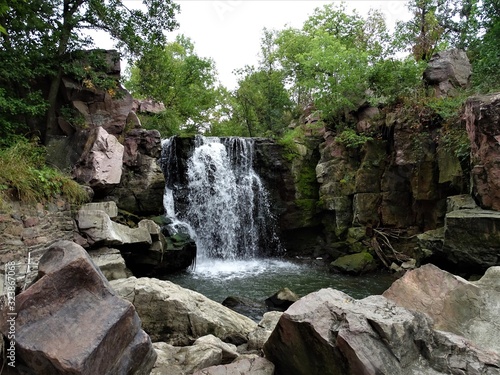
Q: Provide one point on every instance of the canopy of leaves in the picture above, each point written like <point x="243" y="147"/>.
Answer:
<point x="180" y="79"/>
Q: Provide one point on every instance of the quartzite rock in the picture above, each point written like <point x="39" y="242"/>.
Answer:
<point x="469" y="309"/>
<point x="176" y="315"/>
<point x="71" y="322"/>
<point x="330" y="333"/>
<point x="100" y="164"/>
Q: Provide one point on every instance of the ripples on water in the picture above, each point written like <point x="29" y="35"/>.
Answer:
<point x="257" y="279"/>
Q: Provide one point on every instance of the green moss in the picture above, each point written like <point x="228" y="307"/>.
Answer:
<point x="306" y="183"/>
<point x="355" y="263"/>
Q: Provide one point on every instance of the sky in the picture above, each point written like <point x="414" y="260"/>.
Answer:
<point x="229" y="31"/>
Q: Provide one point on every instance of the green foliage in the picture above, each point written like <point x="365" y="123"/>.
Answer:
<point x="455" y="140"/>
<point x="23" y="172"/>
<point x="448" y="108"/>
<point x="350" y="139"/>
<point x="181" y="80"/>
<point x="289" y="142"/>
<point x="393" y="80"/>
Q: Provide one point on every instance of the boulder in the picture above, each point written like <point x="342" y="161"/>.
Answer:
<point x="110" y="262"/>
<point x="281" y="300"/>
<point x="100" y="164"/>
<point x="448" y="70"/>
<point x="354" y="264"/>
<point x="330" y="333"/>
<point x="70" y="321"/>
<point x="248" y="365"/>
<point x="109" y="208"/>
<point x="205" y="352"/>
<point x="97" y="228"/>
<point x="258" y="337"/>
<point x="472" y="239"/>
<point x="177" y="316"/>
<point x="482" y="114"/>
<point x="148" y="106"/>
<point x="469" y="309"/>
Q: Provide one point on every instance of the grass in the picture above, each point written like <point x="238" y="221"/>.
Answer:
<point x="25" y="176"/>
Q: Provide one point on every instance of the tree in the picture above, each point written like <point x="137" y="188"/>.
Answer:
<point x="47" y="32"/>
<point x="176" y="76"/>
<point x="436" y="25"/>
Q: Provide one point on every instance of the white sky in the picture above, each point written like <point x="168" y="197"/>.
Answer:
<point x="229" y="31"/>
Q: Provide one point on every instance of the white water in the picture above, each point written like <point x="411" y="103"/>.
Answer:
<point x="227" y="211"/>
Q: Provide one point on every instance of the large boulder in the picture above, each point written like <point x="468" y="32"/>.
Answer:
<point x="482" y="115"/>
<point x="100" y="164"/>
<point x="448" y="70"/>
<point x="330" y="333"/>
<point x="110" y="262"/>
<point x="70" y="321"/>
<point x="248" y="365"/>
<point x="97" y="228"/>
<point x="177" y="316"/>
<point x="469" y="309"/>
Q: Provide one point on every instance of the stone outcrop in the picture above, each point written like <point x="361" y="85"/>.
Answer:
<point x="177" y="316"/>
<point x="468" y="309"/>
<point x="328" y="332"/>
<point x="448" y="70"/>
<point x="71" y="321"/>
<point x="100" y="164"/>
<point x="482" y="115"/>
<point x="148" y="106"/>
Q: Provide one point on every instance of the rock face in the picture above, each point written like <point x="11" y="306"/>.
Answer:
<point x="79" y="327"/>
<point x="247" y="365"/>
<point x="328" y="332"/>
<point x="448" y="70"/>
<point x="469" y="309"/>
<point x="176" y="315"/>
<point x="482" y="119"/>
<point x="100" y="164"/>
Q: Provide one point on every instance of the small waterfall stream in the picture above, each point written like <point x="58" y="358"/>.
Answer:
<point x="226" y="209"/>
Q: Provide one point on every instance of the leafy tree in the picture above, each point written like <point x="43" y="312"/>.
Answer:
<point x="436" y="25"/>
<point x="43" y="34"/>
<point x="180" y="79"/>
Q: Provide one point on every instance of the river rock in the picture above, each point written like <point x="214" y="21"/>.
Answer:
<point x="448" y="70"/>
<point x="330" y="333"/>
<point x="469" y="309"/>
<point x="177" y="316"/>
<point x="281" y="300"/>
<point x="482" y="115"/>
<point x="248" y="365"/>
<point x="71" y="322"/>
<point x="100" y="164"/>
<point x="354" y="264"/>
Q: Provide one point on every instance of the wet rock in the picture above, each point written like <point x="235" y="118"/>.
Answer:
<point x="354" y="264"/>
<point x="448" y="70"/>
<point x="176" y="315"/>
<point x="330" y="333"/>
<point x="482" y="115"/>
<point x="281" y="300"/>
<point x="71" y="322"/>
<point x="468" y="309"/>
<point x="460" y="202"/>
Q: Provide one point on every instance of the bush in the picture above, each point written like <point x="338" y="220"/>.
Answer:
<point x="24" y="175"/>
<point x="350" y="139"/>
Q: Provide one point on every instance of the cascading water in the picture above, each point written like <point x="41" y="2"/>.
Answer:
<point x="226" y="204"/>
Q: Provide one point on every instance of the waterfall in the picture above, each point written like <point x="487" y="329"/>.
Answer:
<point x="225" y="203"/>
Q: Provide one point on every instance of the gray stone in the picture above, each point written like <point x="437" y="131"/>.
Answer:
<point x="447" y="70"/>
<point x="110" y="262"/>
<point x="460" y="202"/>
<point x="109" y="208"/>
<point x="97" y="228"/>
<point x="330" y="333"/>
<point x="468" y="309"/>
<point x="248" y="365"/>
<point x="177" y="316"/>
<point x="258" y="337"/>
